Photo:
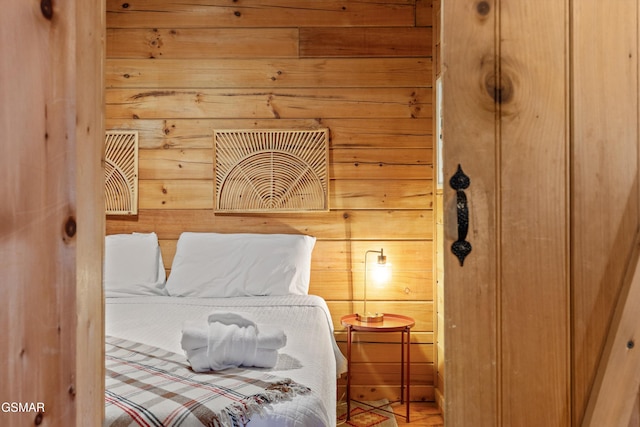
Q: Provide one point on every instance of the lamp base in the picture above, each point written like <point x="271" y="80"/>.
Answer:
<point x="370" y="317"/>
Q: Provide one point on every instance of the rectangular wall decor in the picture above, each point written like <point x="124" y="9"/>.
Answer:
<point x="121" y="173"/>
<point x="271" y="170"/>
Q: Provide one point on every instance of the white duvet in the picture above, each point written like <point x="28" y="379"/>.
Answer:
<point x="310" y="356"/>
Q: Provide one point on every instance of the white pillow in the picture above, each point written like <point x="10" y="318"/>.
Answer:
<point x="133" y="265"/>
<point x="230" y="265"/>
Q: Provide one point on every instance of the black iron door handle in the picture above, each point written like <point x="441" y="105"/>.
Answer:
<point x="460" y="182"/>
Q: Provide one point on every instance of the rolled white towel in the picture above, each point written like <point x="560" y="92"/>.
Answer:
<point x="271" y="337"/>
<point x="265" y="358"/>
<point x="198" y="359"/>
<point x="194" y="335"/>
<point x="230" y="340"/>
<point x="231" y="346"/>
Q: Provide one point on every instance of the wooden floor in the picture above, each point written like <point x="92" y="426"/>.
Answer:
<point x="422" y="415"/>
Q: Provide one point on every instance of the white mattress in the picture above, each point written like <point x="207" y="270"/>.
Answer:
<point x="311" y="356"/>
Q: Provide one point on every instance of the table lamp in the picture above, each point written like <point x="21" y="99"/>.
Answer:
<point x="381" y="274"/>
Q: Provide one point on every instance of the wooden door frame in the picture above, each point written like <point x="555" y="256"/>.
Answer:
<point x="90" y="135"/>
<point x="471" y="386"/>
<point x="53" y="214"/>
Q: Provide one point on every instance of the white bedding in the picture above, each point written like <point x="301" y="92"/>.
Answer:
<point x="310" y="357"/>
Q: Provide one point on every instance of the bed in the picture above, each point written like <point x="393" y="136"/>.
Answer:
<point x="260" y="279"/>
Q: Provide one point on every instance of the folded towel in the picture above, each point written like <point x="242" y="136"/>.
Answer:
<point x="230" y="340"/>
<point x="199" y="360"/>
<point x="271" y="337"/>
<point x="194" y="335"/>
<point x="230" y="346"/>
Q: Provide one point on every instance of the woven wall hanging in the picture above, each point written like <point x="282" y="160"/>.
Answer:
<point x="121" y="173"/>
<point x="271" y="170"/>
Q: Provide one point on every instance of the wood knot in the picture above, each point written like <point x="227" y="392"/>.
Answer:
<point x="501" y="92"/>
<point x="483" y="8"/>
<point x="38" y="420"/>
<point x="46" y="7"/>
<point x="70" y="227"/>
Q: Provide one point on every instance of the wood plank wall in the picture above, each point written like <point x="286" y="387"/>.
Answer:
<point x="178" y="69"/>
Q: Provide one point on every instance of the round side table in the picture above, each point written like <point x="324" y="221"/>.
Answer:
<point x="390" y="323"/>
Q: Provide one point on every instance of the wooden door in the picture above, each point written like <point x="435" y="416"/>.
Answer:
<point x="540" y="109"/>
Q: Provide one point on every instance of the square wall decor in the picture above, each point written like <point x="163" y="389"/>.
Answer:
<point x="271" y="170"/>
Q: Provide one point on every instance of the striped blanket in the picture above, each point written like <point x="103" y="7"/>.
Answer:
<point x="149" y="386"/>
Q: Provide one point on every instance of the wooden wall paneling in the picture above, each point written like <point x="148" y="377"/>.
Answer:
<point x="337" y="224"/>
<point x="384" y="351"/>
<point x="370" y="41"/>
<point x="605" y="172"/>
<point x="534" y="130"/>
<point x="424" y="13"/>
<point x="374" y="392"/>
<point x="175" y="164"/>
<point x="344" y="132"/>
<point x="415" y="132"/>
<point x="299" y="103"/>
<point x="268" y="72"/>
<point x="361" y="164"/>
<point x="176" y="194"/>
<point x="343" y="285"/>
<point x="402" y="255"/>
<point x="201" y="43"/>
<point x="380" y="171"/>
<point x="345" y="194"/>
<point x="410" y="262"/>
<point x="388" y="373"/>
<point x="400" y="194"/>
<point x="255" y="13"/>
<point x="385" y="156"/>
<point x="197" y="133"/>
